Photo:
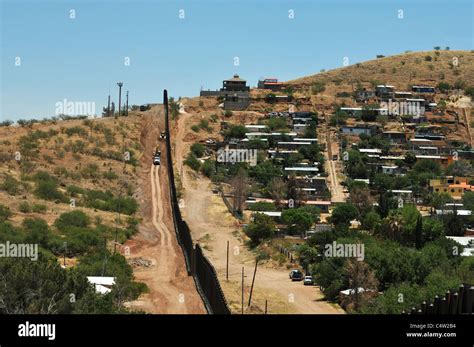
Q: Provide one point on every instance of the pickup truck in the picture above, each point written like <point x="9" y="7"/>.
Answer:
<point x="157" y="158"/>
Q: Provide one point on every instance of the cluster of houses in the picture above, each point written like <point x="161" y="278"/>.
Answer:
<point x="425" y="141"/>
<point x="310" y="184"/>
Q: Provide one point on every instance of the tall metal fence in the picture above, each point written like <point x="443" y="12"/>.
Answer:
<point x="197" y="265"/>
<point x="453" y="302"/>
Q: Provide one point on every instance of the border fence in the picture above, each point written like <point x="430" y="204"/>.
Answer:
<point x="197" y="264"/>
<point x="453" y="302"/>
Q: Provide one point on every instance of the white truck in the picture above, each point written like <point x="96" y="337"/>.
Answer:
<point x="157" y="157"/>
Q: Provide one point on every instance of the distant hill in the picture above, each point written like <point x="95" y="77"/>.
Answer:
<point x="430" y="68"/>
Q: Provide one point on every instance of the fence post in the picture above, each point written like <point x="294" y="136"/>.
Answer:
<point x="454" y="303"/>
<point x="465" y="298"/>
<point x="431" y="308"/>
<point x="437" y="303"/>
<point x="423" y="307"/>
<point x="470" y="299"/>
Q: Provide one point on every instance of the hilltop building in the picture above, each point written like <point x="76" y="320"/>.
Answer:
<point x="270" y="83"/>
<point x="234" y="91"/>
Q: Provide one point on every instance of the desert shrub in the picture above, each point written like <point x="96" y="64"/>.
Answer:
<point x="39" y="208"/>
<point x="74" y="190"/>
<point x="48" y="190"/>
<point x="208" y="168"/>
<point x="77" y="130"/>
<point x="4" y="213"/>
<point x="110" y="175"/>
<point x="72" y="219"/>
<point x="10" y="185"/>
<point x="192" y="162"/>
<point x="24" y="207"/>
<point x="318" y="87"/>
<point x="198" y="149"/>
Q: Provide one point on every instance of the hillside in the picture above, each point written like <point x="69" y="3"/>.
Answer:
<point x="422" y="68"/>
<point x="78" y="154"/>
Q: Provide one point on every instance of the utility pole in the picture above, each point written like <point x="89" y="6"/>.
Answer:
<point x="266" y="305"/>
<point x="242" y="290"/>
<point x="120" y="84"/>
<point x="108" y="106"/>
<point x="253" y="281"/>
<point x="105" y="256"/>
<point x="227" y="263"/>
<point x="126" y="108"/>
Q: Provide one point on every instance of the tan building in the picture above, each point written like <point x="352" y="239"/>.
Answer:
<point x="454" y="186"/>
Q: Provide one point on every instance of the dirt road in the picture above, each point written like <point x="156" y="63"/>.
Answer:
<point x="171" y="290"/>
<point x="213" y="226"/>
<point x="333" y="166"/>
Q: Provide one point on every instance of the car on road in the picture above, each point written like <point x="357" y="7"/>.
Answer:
<point x="296" y="275"/>
<point x="157" y="157"/>
<point x="308" y="280"/>
<point x="210" y="141"/>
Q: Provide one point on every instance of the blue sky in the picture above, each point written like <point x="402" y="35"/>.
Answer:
<point x="81" y="59"/>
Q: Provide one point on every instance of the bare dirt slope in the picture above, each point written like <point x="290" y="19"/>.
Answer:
<point x="212" y="226"/>
<point x="171" y="290"/>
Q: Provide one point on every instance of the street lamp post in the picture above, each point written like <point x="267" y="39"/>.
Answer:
<point x="120" y="84"/>
<point x="126" y="108"/>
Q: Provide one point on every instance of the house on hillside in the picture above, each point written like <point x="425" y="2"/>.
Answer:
<point x="454" y="186"/>
<point x="395" y="137"/>
<point x="270" y="83"/>
<point x="256" y="127"/>
<point x="383" y="91"/>
<point x="357" y="129"/>
<point x="423" y="89"/>
<point x="444" y="161"/>
<point x="234" y="91"/>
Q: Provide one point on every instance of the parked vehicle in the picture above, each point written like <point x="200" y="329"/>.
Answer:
<point x="162" y="135"/>
<point x="296" y="275"/>
<point x="308" y="280"/>
<point x="157" y="158"/>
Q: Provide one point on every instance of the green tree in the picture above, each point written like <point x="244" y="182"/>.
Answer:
<point x="343" y="214"/>
<point x="297" y="220"/>
<point x="10" y="185"/>
<point x="261" y="228"/>
<point x="371" y="221"/>
<point x="208" y="168"/>
<point x="198" y="149"/>
<point x="468" y="200"/>
<point x="72" y="219"/>
<point x="236" y="131"/>
<point x="4" y="213"/>
<point x="265" y="172"/>
<point x="36" y="231"/>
